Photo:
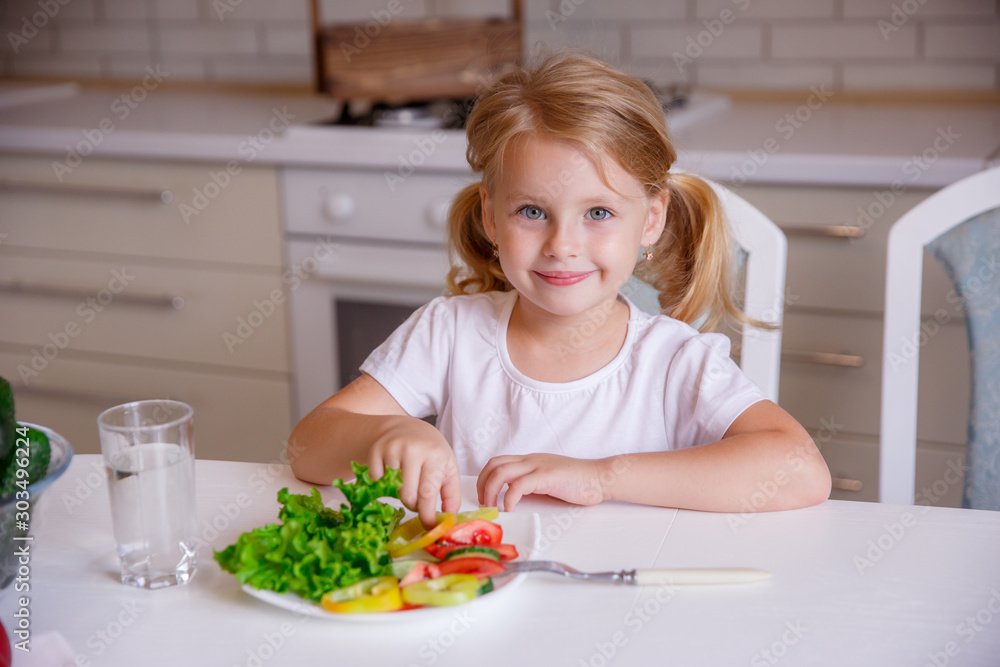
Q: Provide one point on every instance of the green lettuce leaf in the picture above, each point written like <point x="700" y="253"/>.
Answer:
<point x="316" y="549"/>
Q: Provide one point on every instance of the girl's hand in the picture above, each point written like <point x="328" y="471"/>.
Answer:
<point x="428" y="465"/>
<point x="573" y="480"/>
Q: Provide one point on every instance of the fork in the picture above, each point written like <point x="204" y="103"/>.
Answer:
<point x="644" y="577"/>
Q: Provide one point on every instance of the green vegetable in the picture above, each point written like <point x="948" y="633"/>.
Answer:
<point x="316" y="549"/>
<point x="39" y="453"/>
<point x="39" y="449"/>
<point x="7" y="424"/>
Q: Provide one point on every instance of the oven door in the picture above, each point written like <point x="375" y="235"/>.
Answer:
<point x="345" y="299"/>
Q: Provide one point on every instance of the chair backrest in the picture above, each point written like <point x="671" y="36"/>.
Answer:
<point x="764" y="290"/>
<point x="766" y="252"/>
<point x="935" y="215"/>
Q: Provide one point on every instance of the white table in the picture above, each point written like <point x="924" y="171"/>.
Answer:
<point x="853" y="584"/>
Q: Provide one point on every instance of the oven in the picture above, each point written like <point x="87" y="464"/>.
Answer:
<point x="363" y="253"/>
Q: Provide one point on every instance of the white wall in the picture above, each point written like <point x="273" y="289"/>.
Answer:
<point x="765" y="44"/>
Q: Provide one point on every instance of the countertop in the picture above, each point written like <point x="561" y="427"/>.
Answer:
<point x="819" y="140"/>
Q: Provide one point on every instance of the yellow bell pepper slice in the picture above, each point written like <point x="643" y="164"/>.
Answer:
<point x="451" y="589"/>
<point x="410" y="536"/>
<point x="373" y="595"/>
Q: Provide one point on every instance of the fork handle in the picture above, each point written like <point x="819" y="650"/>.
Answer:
<point x="692" y="576"/>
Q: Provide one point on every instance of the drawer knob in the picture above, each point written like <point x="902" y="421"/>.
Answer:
<point x="339" y="207"/>
<point x="845" y="484"/>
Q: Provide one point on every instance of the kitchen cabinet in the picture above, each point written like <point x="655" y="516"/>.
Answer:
<point x="832" y="336"/>
<point x="111" y="290"/>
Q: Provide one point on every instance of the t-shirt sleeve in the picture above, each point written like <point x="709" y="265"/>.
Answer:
<point x="707" y="390"/>
<point x="414" y="362"/>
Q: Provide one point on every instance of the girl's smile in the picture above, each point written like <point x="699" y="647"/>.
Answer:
<point x="564" y="277"/>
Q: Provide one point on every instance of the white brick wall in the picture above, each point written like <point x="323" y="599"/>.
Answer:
<point x="763" y="44"/>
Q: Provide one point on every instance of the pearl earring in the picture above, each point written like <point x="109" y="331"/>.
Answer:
<point x="647" y="254"/>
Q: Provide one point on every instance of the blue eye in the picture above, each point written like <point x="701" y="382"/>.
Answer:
<point x="531" y="212"/>
<point x="598" y="213"/>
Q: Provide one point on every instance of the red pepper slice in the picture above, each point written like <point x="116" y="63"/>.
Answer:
<point x="480" y="567"/>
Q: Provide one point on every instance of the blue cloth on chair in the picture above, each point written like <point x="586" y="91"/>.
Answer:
<point x="970" y="253"/>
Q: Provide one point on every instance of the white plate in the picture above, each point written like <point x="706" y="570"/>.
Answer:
<point x="520" y="529"/>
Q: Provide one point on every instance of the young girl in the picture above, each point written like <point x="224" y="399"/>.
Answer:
<point x="542" y="375"/>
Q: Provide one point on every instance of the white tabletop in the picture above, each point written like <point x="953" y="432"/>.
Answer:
<point x="853" y="584"/>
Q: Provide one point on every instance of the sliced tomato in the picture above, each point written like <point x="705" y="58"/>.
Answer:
<point x="419" y="572"/>
<point x="480" y="567"/>
<point x="476" y="531"/>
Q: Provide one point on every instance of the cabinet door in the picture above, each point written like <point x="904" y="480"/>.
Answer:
<point x="853" y="462"/>
<point x="189" y="212"/>
<point x="233" y="319"/>
<point x="237" y="417"/>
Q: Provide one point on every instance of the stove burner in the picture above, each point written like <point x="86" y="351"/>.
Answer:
<point x="448" y="114"/>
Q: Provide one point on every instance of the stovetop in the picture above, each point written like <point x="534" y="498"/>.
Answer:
<point x="451" y="114"/>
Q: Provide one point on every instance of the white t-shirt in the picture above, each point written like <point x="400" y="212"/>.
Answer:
<point x="669" y="387"/>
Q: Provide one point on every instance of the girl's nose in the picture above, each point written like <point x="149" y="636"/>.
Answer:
<point x="563" y="240"/>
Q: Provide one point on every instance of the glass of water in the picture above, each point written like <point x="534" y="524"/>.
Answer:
<point x="148" y="449"/>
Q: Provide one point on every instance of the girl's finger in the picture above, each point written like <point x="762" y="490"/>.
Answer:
<point x="517" y="489"/>
<point x="451" y="493"/>
<point x="408" y="495"/>
<point x="431" y="480"/>
<point x="484" y="475"/>
<point x="502" y="474"/>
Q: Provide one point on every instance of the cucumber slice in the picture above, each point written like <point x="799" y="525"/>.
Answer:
<point x="474" y="552"/>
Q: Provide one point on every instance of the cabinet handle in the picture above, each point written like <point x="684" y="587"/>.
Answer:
<point x="106" y="400"/>
<point x="160" y="196"/>
<point x="844" y="484"/>
<point x="827" y="231"/>
<point x="155" y="300"/>
<point x="823" y="358"/>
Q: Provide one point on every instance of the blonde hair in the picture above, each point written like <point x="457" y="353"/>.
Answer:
<point x="607" y="114"/>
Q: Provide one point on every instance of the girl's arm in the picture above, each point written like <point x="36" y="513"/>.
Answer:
<point x="363" y="422"/>
<point x="766" y="461"/>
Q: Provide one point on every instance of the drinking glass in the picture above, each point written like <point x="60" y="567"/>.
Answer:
<point x="148" y="449"/>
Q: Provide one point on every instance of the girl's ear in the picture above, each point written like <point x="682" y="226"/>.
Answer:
<point x="489" y="223"/>
<point x="656" y="217"/>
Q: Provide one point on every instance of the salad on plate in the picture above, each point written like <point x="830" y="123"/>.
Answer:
<point x="364" y="558"/>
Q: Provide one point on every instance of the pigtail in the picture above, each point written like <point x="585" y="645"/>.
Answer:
<point x="474" y="269"/>
<point x="691" y="261"/>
